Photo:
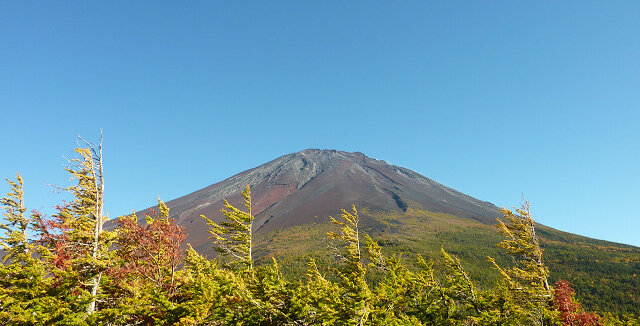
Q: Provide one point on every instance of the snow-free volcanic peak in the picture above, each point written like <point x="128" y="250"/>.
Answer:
<point x="302" y="187"/>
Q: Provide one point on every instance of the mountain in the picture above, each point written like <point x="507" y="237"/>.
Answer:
<point x="407" y="213"/>
<point x="296" y="188"/>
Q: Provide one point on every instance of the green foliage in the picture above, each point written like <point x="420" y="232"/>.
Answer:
<point x="524" y="285"/>
<point x="14" y="240"/>
<point x="624" y="320"/>
<point x="212" y="295"/>
<point x="232" y="238"/>
<point x="23" y="282"/>
<point x="458" y="285"/>
<point x="355" y="308"/>
<point x="28" y="295"/>
<point x="229" y="290"/>
<point x="605" y="274"/>
<point x="84" y="243"/>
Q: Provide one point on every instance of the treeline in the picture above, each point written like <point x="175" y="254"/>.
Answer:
<point x="67" y="269"/>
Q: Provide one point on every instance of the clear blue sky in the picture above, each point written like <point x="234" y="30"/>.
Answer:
<point x="493" y="98"/>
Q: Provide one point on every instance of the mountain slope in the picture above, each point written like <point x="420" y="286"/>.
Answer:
<point x="407" y="213"/>
<point x="295" y="188"/>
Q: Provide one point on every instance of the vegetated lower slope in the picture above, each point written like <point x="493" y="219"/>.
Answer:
<point x="605" y="274"/>
<point x="406" y="213"/>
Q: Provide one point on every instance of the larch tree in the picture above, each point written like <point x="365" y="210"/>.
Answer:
<point x="22" y="276"/>
<point x="75" y="234"/>
<point x="238" y="293"/>
<point x="232" y="238"/>
<point x="89" y="209"/>
<point x="526" y="282"/>
<point x="351" y="270"/>
<point x="459" y="286"/>
<point x="15" y="239"/>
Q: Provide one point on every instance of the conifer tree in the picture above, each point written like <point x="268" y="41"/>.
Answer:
<point x="88" y="208"/>
<point x="459" y="285"/>
<point x="351" y="270"/>
<point x="75" y="235"/>
<point x="232" y="238"/>
<point x="526" y="285"/>
<point x="210" y="295"/>
<point x="15" y="239"/>
<point x="398" y="295"/>
<point x="237" y="294"/>
<point x="434" y="307"/>
<point x="318" y="300"/>
<point x="23" y="282"/>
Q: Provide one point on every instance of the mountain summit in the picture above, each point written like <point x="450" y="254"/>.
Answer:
<point x="296" y="188"/>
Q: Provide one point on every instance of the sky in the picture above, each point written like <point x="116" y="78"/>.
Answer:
<point x="497" y="99"/>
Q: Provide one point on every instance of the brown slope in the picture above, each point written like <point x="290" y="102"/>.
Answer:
<point x="295" y="188"/>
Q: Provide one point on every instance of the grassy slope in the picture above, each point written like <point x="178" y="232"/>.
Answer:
<point x="606" y="275"/>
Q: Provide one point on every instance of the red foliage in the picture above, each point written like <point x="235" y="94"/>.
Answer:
<point x="53" y="235"/>
<point x="150" y="252"/>
<point x="570" y="311"/>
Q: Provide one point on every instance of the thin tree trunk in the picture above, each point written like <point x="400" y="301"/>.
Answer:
<point x="25" y="223"/>
<point x="99" y="210"/>
<point x="250" y="237"/>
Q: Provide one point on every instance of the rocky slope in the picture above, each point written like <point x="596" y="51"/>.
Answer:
<point x="296" y="188"/>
